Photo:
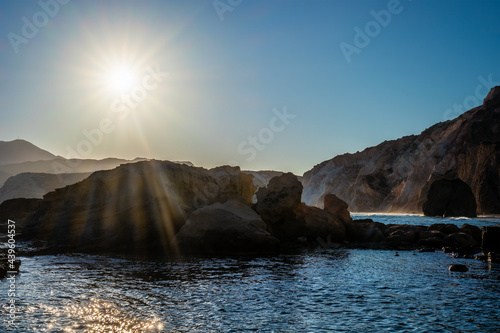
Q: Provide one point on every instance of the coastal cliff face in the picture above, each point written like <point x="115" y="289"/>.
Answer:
<point x="136" y="207"/>
<point x="395" y="175"/>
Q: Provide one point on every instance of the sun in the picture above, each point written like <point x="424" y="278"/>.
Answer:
<point x="121" y="79"/>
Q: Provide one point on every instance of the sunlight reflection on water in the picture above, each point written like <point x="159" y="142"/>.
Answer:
<point x="322" y="290"/>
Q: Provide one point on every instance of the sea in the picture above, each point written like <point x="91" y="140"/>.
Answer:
<point x="316" y="290"/>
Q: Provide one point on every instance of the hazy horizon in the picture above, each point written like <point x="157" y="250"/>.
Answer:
<point x="266" y="85"/>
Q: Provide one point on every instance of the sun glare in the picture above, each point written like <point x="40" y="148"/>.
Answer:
<point x="121" y="79"/>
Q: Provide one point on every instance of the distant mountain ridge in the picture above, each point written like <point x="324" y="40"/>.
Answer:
<point x="36" y="185"/>
<point x="27" y="171"/>
<point x="395" y="175"/>
<point x="18" y="151"/>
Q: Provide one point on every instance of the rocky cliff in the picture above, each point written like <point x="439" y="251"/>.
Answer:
<point x="395" y="175"/>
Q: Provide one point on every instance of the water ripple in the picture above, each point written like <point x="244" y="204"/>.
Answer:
<point x="318" y="291"/>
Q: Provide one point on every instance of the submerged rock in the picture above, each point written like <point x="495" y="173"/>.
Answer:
<point x="226" y="228"/>
<point x="458" y="268"/>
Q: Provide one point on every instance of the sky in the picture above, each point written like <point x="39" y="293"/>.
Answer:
<point x="263" y="84"/>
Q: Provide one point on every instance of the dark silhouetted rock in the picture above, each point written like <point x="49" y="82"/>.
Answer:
<point x="433" y="242"/>
<point x="472" y="230"/>
<point x="462" y="240"/>
<point x="446" y="229"/>
<point x="402" y="235"/>
<point x="228" y="228"/>
<point x="276" y="204"/>
<point x="490" y="240"/>
<point x="320" y="223"/>
<point x="450" y="198"/>
<point x="458" y="268"/>
<point x="365" y="231"/>
<point x="429" y="233"/>
<point x="337" y="206"/>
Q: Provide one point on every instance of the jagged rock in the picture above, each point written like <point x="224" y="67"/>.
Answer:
<point x="320" y="223"/>
<point x="472" y="230"/>
<point x="228" y="228"/>
<point x="394" y="176"/>
<point x="337" y="206"/>
<point x="135" y="208"/>
<point x="276" y="204"/>
<point x="450" y="198"/>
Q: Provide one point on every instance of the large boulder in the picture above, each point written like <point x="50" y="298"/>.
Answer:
<point x="135" y="208"/>
<point x="276" y="204"/>
<point x="450" y="198"/>
<point x="491" y="240"/>
<point x="403" y="235"/>
<point x="472" y="230"/>
<point x="337" y="206"/>
<point x="365" y="231"/>
<point x="320" y="223"/>
<point x="226" y="228"/>
<point x="462" y="240"/>
<point x="445" y="228"/>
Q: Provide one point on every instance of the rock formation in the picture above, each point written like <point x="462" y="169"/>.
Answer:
<point x="338" y="207"/>
<point x="134" y="208"/>
<point x="396" y="175"/>
<point x="490" y="245"/>
<point x="226" y="228"/>
<point x="450" y="198"/>
<point x="320" y="224"/>
<point x="276" y="204"/>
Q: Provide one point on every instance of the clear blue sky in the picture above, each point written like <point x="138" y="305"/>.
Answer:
<point x="218" y="74"/>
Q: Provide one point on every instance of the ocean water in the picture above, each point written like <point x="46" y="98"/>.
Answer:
<point x="311" y="291"/>
<point x="427" y="220"/>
